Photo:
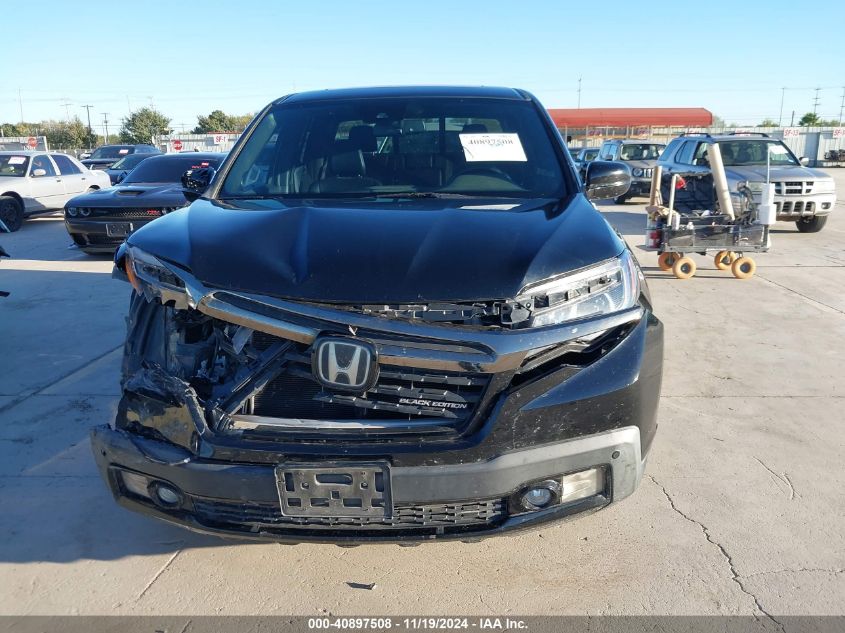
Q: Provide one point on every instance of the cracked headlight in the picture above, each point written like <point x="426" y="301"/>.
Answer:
<point x="608" y="287"/>
<point x="150" y="276"/>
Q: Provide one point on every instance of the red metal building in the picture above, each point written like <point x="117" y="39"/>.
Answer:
<point x="598" y="123"/>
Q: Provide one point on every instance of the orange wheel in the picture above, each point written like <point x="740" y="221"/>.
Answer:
<point x="724" y="259"/>
<point x="743" y="268"/>
<point x="684" y="268"/>
<point x="667" y="260"/>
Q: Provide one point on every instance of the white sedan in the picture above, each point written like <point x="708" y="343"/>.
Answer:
<point x="34" y="182"/>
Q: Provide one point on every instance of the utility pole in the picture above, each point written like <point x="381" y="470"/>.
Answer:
<point x="20" y="103"/>
<point x="66" y="104"/>
<point x="90" y="133"/>
<point x="782" y="95"/>
<point x="842" y="106"/>
<point x="579" y="93"/>
<point x="816" y="102"/>
<point x="106" y="127"/>
<point x="792" y="120"/>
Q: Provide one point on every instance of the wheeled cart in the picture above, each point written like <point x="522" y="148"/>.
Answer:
<point x="701" y="219"/>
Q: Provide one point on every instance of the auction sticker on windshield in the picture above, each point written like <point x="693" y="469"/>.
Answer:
<point x="17" y="160"/>
<point x="492" y="147"/>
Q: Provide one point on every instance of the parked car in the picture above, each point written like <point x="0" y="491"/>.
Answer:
<point x="106" y="155"/>
<point x="639" y="157"/>
<point x="34" y="182"/>
<point x="392" y="314"/>
<point x="120" y="169"/>
<point x="99" y="221"/>
<point x="802" y="195"/>
<point x="583" y="157"/>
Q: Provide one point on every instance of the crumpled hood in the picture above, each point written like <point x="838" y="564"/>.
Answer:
<point x="757" y="173"/>
<point x="374" y="252"/>
<point x="129" y="195"/>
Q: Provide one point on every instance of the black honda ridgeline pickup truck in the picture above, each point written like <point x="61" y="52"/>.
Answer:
<point x="392" y="314"/>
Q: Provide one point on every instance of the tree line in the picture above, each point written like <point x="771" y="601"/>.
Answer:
<point x="140" y="126"/>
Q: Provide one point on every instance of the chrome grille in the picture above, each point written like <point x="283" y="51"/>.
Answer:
<point x="794" y="187"/>
<point x="648" y="172"/>
<point x="474" y="513"/>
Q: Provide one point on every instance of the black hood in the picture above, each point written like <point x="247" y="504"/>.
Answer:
<point x="100" y="163"/>
<point x="167" y="194"/>
<point x="373" y="252"/>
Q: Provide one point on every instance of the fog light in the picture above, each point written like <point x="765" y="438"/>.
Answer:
<point x="135" y="483"/>
<point x="540" y="495"/>
<point x="581" y="485"/>
<point x="166" y="495"/>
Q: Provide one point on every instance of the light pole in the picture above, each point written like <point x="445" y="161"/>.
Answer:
<point x="780" y="116"/>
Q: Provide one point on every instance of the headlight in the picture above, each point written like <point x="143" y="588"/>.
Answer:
<point x="84" y="211"/>
<point x="71" y="211"/>
<point x="753" y="187"/>
<point x="824" y="186"/>
<point x="611" y="286"/>
<point x="637" y="172"/>
<point x="152" y="277"/>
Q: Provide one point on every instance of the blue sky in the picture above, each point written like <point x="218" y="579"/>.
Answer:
<point x="188" y="58"/>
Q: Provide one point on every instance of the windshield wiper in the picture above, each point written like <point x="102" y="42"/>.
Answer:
<point x="423" y="194"/>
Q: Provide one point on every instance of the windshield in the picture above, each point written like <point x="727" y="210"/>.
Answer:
<point x="111" y="151"/>
<point x="735" y="153"/>
<point x="130" y="161"/>
<point x="368" y="147"/>
<point x="641" y="151"/>
<point x="13" y="165"/>
<point x="167" y="169"/>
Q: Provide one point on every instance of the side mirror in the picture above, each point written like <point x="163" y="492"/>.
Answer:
<point x="804" y="161"/>
<point x="196" y="181"/>
<point x="38" y="173"/>
<point x="119" y="178"/>
<point x="606" y="180"/>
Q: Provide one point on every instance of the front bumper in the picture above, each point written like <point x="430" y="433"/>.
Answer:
<point x="92" y="235"/>
<point x="639" y="187"/>
<point x="432" y="502"/>
<point x="797" y="207"/>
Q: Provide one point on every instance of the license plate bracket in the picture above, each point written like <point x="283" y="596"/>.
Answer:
<point x="352" y="489"/>
<point x="118" y="229"/>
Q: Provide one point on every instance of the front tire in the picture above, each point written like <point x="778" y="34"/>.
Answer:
<point x="811" y="225"/>
<point x="11" y="212"/>
<point x="621" y="200"/>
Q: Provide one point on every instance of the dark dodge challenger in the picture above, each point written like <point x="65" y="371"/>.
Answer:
<point x="100" y="221"/>
<point x="391" y="314"/>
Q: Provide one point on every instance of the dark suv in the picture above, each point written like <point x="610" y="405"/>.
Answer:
<point x="107" y="155"/>
<point x="639" y="157"/>
<point x="392" y="314"/>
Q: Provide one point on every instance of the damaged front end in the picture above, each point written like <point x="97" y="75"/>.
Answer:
<point x="224" y="405"/>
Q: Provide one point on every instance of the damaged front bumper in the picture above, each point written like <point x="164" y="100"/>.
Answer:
<point x="456" y="501"/>
<point x="460" y="428"/>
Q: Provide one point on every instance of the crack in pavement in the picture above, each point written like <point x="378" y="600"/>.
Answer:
<point x="803" y="296"/>
<point x="735" y="576"/>
<point x="158" y="574"/>
<point x="783" y="478"/>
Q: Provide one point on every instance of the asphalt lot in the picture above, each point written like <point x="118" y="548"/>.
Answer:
<point x="741" y="510"/>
